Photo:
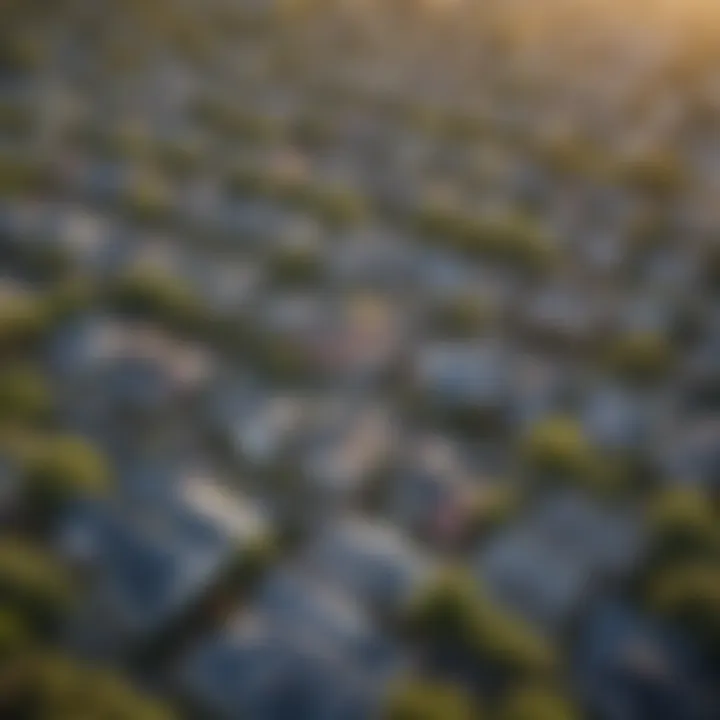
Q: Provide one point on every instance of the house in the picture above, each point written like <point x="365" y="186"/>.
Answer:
<point x="254" y="222"/>
<point x="254" y="672"/>
<point x="692" y="453"/>
<point x="360" y="338"/>
<point x="370" y="561"/>
<point x="430" y="489"/>
<point x="700" y="376"/>
<point x="562" y="315"/>
<point x="672" y="270"/>
<point x="140" y="358"/>
<point x="616" y="420"/>
<point x="548" y="564"/>
<point x="84" y="237"/>
<point x="127" y="385"/>
<point x="350" y="338"/>
<point x="15" y="220"/>
<point x="645" y="313"/>
<point x="259" y="426"/>
<point x="627" y="665"/>
<point x="20" y="226"/>
<point x="104" y="181"/>
<point x="371" y="258"/>
<point x="541" y="386"/>
<point x="301" y="652"/>
<point x="344" y="446"/>
<point x="226" y="287"/>
<point x="292" y="314"/>
<point x="465" y="376"/>
<point x="161" y="254"/>
<point x="440" y="272"/>
<point x="148" y="563"/>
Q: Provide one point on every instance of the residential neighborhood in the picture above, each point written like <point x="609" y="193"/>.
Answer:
<point x="359" y="360"/>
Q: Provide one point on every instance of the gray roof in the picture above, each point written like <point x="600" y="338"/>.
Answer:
<point x="304" y="651"/>
<point x="548" y="563"/>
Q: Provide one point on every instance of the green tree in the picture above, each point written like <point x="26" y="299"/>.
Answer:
<point x="333" y="205"/>
<point x="23" y="321"/>
<point x="515" y="240"/>
<point x="658" y="175"/>
<point x="641" y="357"/>
<point x="460" y="316"/>
<point x="47" y="261"/>
<point x="33" y="585"/>
<point x="296" y="265"/>
<point x="20" y="174"/>
<point x="48" y="686"/>
<point x="491" y="507"/>
<point x="282" y="359"/>
<point x="15" y="637"/>
<point x="16" y="118"/>
<point x="454" y="610"/>
<point x="557" y="448"/>
<point x="128" y="140"/>
<point x="252" y="561"/>
<point x="157" y="296"/>
<point x="688" y="592"/>
<point x="69" y="296"/>
<point x="63" y="468"/>
<point x="415" y="699"/>
<point x="148" y="200"/>
<point x="181" y="156"/>
<point x="536" y="702"/>
<point x="230" y="120"/>
<point x="24" y="395"/>
<point x="683" y="523"/>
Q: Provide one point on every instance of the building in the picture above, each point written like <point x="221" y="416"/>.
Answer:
<point x="629" y="666"/>
<point x="548" y="565"/>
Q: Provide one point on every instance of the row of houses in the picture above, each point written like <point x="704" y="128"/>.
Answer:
<point x="322" y="405"/>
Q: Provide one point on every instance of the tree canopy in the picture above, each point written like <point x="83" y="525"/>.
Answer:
<point x="63" y="468"/>
<point x="415" y="699"/>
